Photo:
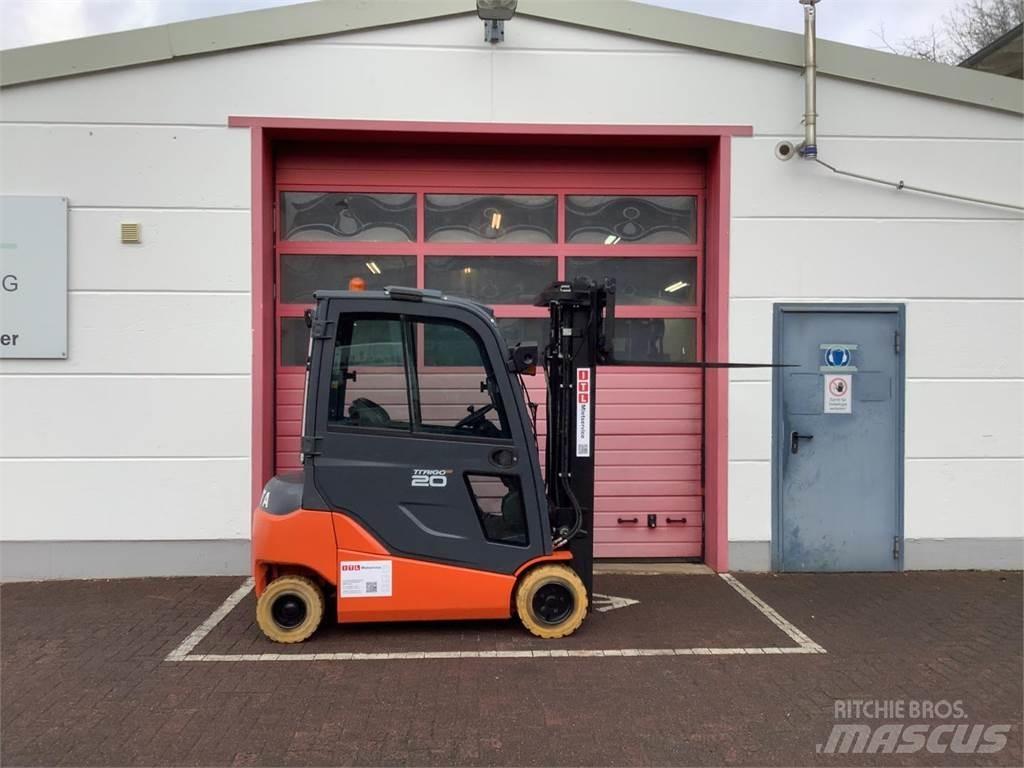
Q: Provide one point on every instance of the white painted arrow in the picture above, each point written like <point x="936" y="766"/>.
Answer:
<point x="605" y="603"/>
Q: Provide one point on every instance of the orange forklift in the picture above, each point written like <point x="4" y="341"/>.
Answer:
<point x="421" y="495"/>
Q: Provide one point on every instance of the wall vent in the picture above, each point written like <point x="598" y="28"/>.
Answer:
<point x="130" y="233"/>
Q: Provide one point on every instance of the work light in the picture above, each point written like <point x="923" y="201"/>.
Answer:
<point x="494" y="14"/>
<point x="496" y="10"/>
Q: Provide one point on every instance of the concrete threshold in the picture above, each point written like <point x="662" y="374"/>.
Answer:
<point x="652" y="569"/>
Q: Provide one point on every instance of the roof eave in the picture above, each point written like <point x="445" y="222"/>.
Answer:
<point x="215" y="34"/>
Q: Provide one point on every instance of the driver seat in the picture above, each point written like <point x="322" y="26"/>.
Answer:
<point x="366" y="413"/>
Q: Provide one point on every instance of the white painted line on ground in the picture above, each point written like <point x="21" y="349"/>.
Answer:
<point x="184" y="651"/>
<point x="189" y="643"/>
<point x="534" y="654"/>
<point x="605" y="603"/>
<point x="773" y="616"/>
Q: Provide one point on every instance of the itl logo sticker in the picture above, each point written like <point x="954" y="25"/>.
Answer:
<point x="364" y="578"/>
<point x="584" y="395"/>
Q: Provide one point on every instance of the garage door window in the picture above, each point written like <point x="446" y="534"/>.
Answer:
<point x="495" y="218"/>
<point x="624" y="219"/>
<point x="294" y="341"/>
<point x="332" y="216"/>
<point x="666" y="282"/>
<point x="492" y="279"/>
<point x="301" y="274"/>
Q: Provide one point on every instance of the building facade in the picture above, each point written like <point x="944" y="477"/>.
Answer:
<point x="267" y="154"/>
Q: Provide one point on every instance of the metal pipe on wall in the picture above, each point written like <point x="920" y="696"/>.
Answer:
<point x="809" y="148"/>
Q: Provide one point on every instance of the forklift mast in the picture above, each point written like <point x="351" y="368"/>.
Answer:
<point x="582" y="314"/>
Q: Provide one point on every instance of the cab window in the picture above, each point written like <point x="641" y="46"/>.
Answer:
<point x="457" y="393"/>
<point x="369" y="387"/>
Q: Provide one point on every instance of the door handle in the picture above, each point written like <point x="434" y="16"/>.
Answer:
<point x="794" y="441"/>
<point x="622" y="520"/>
<point x="504" y="458"/>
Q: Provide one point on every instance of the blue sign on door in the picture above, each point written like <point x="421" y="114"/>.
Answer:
<point x="837" y="357"/>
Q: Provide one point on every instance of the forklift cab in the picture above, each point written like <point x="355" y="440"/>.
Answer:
<point x="419" y="432"/>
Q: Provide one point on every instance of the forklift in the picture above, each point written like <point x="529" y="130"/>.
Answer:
<point x="421" y="495"/>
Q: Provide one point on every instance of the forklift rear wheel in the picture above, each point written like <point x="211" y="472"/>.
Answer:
<point x="551" y="601"/>
<point x="290" y="609"/>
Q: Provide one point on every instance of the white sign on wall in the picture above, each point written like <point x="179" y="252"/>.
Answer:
<point x="33" y="277"/>
<point x="838" y="391"/>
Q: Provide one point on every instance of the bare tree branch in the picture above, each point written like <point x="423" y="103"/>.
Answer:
<point x="965" y="30"/>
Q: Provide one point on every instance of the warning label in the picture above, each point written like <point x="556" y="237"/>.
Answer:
<point x="583" y="412"/>
<point x="838" y="393"/>
<point x="365" y="578"/>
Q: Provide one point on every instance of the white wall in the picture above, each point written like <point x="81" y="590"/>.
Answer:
<point x="154" y="399"/>
<point x="143" y="432"/>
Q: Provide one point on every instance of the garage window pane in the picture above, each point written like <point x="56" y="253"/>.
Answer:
<point x="358" y="216"/>
<point x="491" y="279"/>
<point x="294" y="341"/>
<point x="612" y="220"/>
<point x="523" y="330"/>
<point x="644" y="281"/>
<point x="497" y="218"/>
<point x="303" y="274"/>
<point x="655" y="340"/>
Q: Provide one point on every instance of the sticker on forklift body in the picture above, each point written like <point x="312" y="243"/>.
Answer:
<point x="583" y="412"/>
<point x="365" y="578"/>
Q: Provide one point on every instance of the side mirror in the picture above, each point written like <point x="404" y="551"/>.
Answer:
<point x="307" y="315"/>
<point x="522" y="358"/>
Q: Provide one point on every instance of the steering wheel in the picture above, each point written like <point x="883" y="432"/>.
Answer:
<point x="476" y="419"/>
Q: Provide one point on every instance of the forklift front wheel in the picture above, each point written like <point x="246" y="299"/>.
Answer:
<point x="290" y="609"/>
<point x="551" y="601"/>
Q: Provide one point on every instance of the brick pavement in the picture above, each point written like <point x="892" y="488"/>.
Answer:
<point x="84" y="681"/>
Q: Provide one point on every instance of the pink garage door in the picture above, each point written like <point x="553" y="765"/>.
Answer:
<point x="498" y="226"/>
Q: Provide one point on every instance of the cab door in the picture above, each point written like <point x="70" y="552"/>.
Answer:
<point x="420" y="437"/>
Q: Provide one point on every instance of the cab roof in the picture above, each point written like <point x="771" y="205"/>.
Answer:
<point x="404" y="293"/>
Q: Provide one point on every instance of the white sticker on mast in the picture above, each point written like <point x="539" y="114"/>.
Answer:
<point x="583" y="412"/>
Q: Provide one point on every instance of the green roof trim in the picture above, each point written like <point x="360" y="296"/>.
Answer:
<point x="331" y="17"/>
<point x="214" y="34"/>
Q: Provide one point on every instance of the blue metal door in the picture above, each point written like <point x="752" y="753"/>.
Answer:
<point x="838" y="445"/>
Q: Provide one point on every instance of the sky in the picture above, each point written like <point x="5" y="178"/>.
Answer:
<point x="858" y="22"/>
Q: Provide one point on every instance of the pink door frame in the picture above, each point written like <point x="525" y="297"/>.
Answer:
<point x="714" y="139"/>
